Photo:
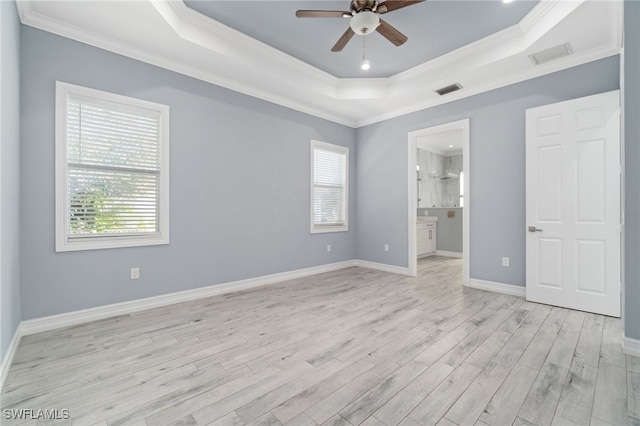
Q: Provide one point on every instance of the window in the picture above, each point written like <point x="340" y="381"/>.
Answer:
<point x="329" y="188"/>
<point x="112" y="170"/>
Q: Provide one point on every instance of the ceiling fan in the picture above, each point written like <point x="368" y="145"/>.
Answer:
<point x="364" y="19"/>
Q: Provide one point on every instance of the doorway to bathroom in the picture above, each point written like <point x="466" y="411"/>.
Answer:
<point x="439" y="188"/>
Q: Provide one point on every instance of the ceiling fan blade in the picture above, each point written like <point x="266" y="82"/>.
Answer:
<point x="322" y="14"/>
<point x="391" y="34"/>
<point x="391" y="5"/>
<point x="342" y="42"/>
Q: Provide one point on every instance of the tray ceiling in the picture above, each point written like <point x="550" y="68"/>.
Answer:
<point x="294" y="68"/>
<point x="434" y="27"/>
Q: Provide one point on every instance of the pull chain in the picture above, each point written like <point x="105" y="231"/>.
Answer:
<point x="365" y="64"/>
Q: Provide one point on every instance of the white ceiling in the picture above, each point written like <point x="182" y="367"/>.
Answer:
<point x="445" y="143"/>
<point x="170" y="34"/>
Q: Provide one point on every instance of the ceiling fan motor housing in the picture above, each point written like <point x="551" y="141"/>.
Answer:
<point x="364" y="23"/>
<point x="364" y="19"/>
<point x="362" y="5"/>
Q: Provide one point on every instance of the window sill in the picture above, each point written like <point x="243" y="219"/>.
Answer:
<point x="81" y="244"/>
<point x="326" y="229"/>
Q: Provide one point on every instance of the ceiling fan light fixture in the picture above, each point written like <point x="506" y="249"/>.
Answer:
<point x="364" y="22"/>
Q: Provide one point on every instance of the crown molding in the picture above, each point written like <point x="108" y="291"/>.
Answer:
<point x="30" y="17"/>
<point x="240" y="63"/>
<point x="506" y="80"/>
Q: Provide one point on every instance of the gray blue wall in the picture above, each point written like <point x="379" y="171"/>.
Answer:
<point x="10" y="314"/>
<point x="240" y="165"/>
<point x="239" y="185"/>
<point x="449" y="229"/>
<point x="632" y="171"/>
<point x="497" y="160"/>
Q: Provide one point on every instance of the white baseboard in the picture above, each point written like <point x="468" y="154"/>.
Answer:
<point x="511" y="290"/>
<point x="631" y="346"/>
<point x="382" y="267"/>
<point x="8" y="357"/>
<point x="445" y="253"/>
<point x="52" y="322"/>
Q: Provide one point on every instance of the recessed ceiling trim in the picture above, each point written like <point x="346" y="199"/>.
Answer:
<point x="195" y="27"/>
<point x="248" y="66"/>
<point x="547" y="14"/>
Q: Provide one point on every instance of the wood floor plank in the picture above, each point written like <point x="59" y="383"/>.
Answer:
<point x="610" y="401"/>
<point x="633" y="387"/>
<point x="588" y="347"/>
<point x="576" y="400"/>
<point x="506" y="402"/>
<point x="231" y="419"/>
<point x="235" y="401"/>
<point x="176" y="411"/>
<point x="301" y="420"/>
<point x="537" y="352"/>
<point x="366" y="404"/>
<point x="274" y="398"/>
<point x="563" y="348"/>
<point x="354" y="346"/>
<point x="296" y="405"/>
<point x="610" y="349"/>
<point x="438" y="402"/>
<point x="597" y="422"/>
<point x="540" y="404"/>
<point x="266" y="419"/>
<point x="471" y="404"/>
<point x="398" y="407"/>
<point x="372" y="421"/>
<point x="337" y="420"/>
<point x="446" y="422"/>
<point x="409" y="422"/>
<point x="335" y="402"/>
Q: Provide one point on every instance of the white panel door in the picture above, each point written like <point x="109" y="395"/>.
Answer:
<point x="573" y="204"/>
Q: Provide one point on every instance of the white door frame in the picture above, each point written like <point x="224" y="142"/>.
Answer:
<point x="463" y="125"/>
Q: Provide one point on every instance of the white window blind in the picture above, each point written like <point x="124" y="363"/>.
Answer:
<point x="329" y="187"/>
<point x="114" y="171"/>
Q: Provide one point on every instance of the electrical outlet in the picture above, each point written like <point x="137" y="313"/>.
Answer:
<point x="135" y="273"/>
<point x="328" y="248"/>
<point x="505" y="261"/>
<point x="386" y="247"/>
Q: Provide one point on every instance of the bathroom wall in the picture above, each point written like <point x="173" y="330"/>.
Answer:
<point x="437" y="187"/>
<point x="451" y="185"/>
<point x="449" y="229"/>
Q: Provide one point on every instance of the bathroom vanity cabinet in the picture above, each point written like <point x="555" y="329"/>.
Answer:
<point x="426" y="237"/>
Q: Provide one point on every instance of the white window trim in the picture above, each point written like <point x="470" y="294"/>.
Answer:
<point x="342" y="150"/>
<point x="63" y="243"/>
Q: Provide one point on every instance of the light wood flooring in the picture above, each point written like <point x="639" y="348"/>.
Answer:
<point x="352" y="347"/>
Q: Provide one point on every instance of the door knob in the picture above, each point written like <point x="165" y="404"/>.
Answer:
<point x="534" y="229"/>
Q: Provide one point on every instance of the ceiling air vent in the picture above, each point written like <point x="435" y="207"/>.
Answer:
<point x="551" y="54"/>
<point x="448" y="89"/>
